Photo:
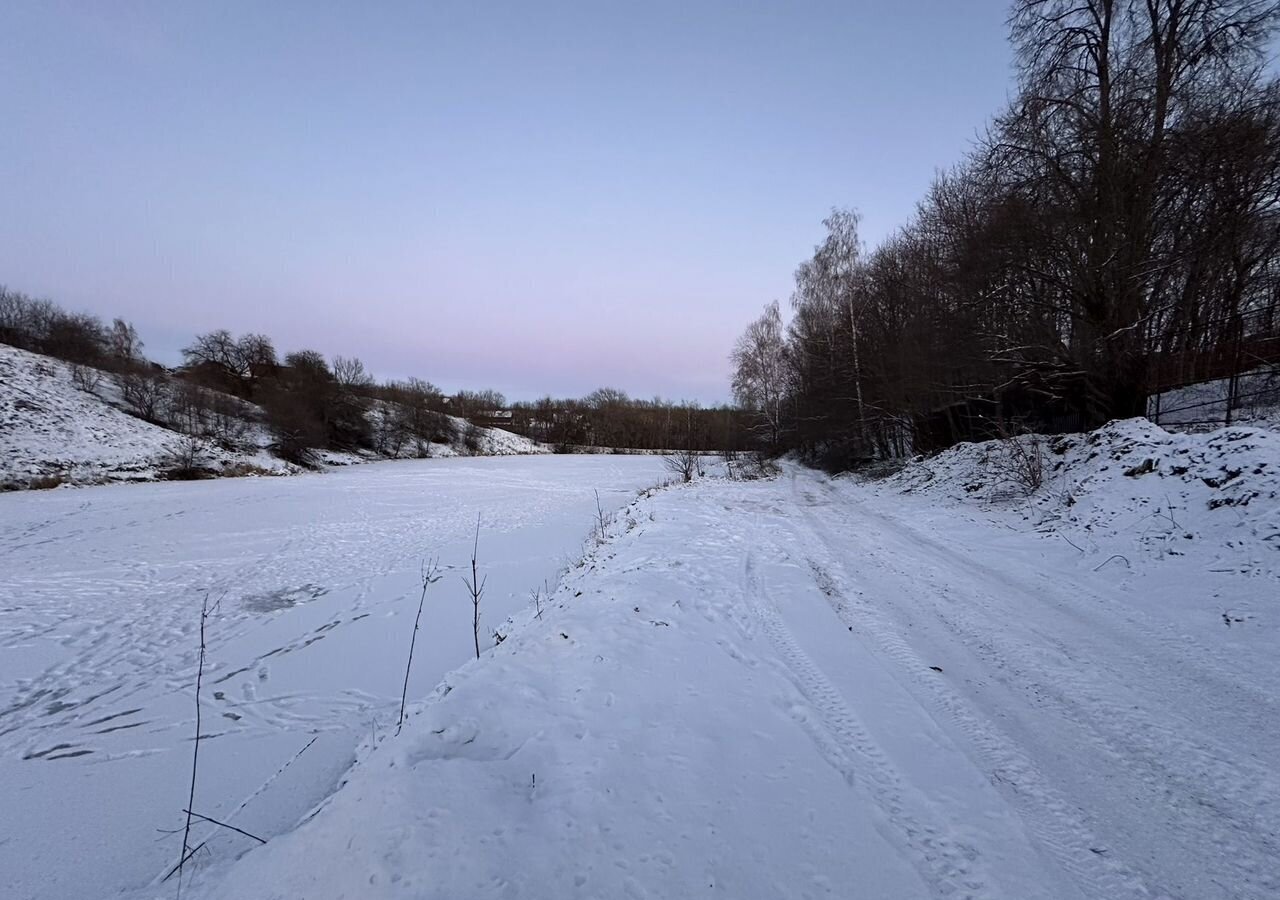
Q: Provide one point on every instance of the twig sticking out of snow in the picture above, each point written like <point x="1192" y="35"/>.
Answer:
<point x="178" y="868"/>
<point x="278" y="772"/>
<point x="430" y="574"/>
<point x="475" y="587"/>
<point x="601" y="524"/>
<point x="1111" y="557"/>
<point x="195" y="753"/>
<point x="225" y="825"/>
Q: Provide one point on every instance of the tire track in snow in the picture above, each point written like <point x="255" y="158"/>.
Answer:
<point x="952" y="869"/>
<point x="1047" y="815"/>
<point x="1222" y="799"/>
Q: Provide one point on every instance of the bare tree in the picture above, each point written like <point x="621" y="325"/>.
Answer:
<point x="760" y="371"/>
<point x="230" y="364"/>
<point x="144" y="392"/>
<point x="350" y="375"/>
<point x="123" y="344"/>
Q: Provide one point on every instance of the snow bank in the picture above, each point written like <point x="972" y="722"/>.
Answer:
<point x="1129" y="479"/>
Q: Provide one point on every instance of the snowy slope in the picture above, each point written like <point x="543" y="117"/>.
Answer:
<point x="51" y="429"/>
<point x="494" y="442"/>
<point x="817" y="688"/>
<point x="658" y="732"/>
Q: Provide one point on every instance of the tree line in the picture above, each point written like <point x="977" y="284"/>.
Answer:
<point x="609" y="418"/>
<point x="1114" y="230"/>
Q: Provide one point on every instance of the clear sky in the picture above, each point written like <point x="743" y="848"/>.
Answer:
<point x="536" y="197"/>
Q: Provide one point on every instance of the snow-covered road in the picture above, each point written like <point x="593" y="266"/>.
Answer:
<point x="1135" y="737"/>
<point x="807" y="688"/>
<point x="316" y="580"/>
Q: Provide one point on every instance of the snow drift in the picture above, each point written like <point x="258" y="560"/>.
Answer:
<point x="1129" y="482"/>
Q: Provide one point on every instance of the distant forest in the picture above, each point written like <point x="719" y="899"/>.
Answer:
<point x="1113" y="233"/>
<point x="309" y="402"/>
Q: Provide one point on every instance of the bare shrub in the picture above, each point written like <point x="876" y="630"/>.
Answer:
<point x="87" y="378"/>
<point x="603" y="521"/>
<point x="749" y="466"/>
<point x="187" y="850"/>
<point x="685" y="463"/>
<point x="1018" y="461"/>
<point x="195" y="410"/>
<point x="188" y="460"/>
<point x="45" y="482"/>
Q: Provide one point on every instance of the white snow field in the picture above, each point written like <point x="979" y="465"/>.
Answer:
<point x="816" y="688"/>
<point x="316" y="581"/>
<point x="924" y="687"/>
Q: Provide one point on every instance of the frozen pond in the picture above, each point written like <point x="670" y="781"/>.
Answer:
<point x="316" y="580"/>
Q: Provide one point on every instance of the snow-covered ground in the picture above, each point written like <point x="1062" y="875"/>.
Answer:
<point x="816" y="688"/>
<point x="923" y="687"/>
<point x="316" y="581"/>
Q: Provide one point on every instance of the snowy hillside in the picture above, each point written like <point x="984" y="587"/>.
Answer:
<point x="51" y="430"/>
<point x="54" y="431"/>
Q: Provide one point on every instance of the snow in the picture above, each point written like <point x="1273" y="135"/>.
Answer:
<point x="51" y="429"/>
<point x="815" y="688"/>
<point x="1133" y="488"/>
<point x="315" y="578"/>
<point x="497" y="442"/>
<point x="934" y="685"/>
